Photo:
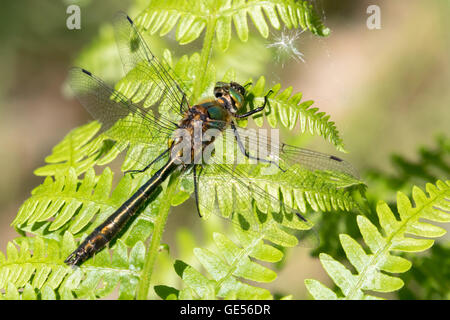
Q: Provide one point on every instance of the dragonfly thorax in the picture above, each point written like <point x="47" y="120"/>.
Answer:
<point x="200" y="119"/>
<point x="198" y="129"/>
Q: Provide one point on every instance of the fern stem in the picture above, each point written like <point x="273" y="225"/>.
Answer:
<point x="153" y="249"/>
<point x="205" y="55"/>
<point x="245" y="252"/>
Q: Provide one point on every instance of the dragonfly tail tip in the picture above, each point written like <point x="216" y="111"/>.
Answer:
<point x="72" y="260"/>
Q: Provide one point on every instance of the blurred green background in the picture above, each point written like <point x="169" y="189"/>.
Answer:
<point x="387" y="90"/>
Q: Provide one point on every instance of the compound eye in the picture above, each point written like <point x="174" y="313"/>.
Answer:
<point x="218" y="94"/>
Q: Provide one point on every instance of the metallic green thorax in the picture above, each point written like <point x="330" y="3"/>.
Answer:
<point x="217" y="112"/>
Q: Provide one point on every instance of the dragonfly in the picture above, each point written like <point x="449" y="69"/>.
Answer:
<point x="180" y="126"/>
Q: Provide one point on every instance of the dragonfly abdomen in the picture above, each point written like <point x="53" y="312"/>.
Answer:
<point x="106" y="231"/>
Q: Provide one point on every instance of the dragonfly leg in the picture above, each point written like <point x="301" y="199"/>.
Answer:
<point x="246" y="153"/>
<point x="196" y="187"/>
<point x="247" y="85"/>
<point x="183" y="100"/>
<point x="245" y="115"/>
<point x="149" y="165"/>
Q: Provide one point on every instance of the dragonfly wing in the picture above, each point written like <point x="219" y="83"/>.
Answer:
<point x="314" y="160"/>
<point x="121" y="120"/>
<point x="235" y="193"/>
<point x="258" y="142"/>
<point x="263" y="196"/>
<point x="138" y="59"/>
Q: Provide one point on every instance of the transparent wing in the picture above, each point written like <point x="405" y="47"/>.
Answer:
<point x="260" y="196"/>
<point x="252" y="208"/>
<point x="261" y="145"/>
<point x="137" y="58"/>
<point x="121" y="120"/>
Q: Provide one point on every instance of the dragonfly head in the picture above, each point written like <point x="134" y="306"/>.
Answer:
<point x="231" y="92"/>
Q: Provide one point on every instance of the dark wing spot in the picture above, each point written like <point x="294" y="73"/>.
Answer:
<point x="87" y="72"/>
<point x="336" y="158"/>
<point x="129" y="19"/>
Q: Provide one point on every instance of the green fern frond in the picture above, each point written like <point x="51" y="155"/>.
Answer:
<point x="428" y="164"/>
<point x="372" y="267"/>
<point x="83" y="148"/>
<point x="193" y="17"/>
<point x="80" y="149"/>
<point x="227" y="266"/>
<point x="432" y="272"/>
<point x="287" y="109"/>
<point x="78" y="206"/>
<point x="298" y="188"/>
<point x="30" y="293"/>
<point x="39" y="271"/>
<point x="186" y="241"/>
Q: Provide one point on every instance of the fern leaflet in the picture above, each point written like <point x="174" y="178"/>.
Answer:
<point x="227" y="265"/>
<point x="194" y="17"/>
<point x="66" y="203"/>
<point x="38" y="270"/>
<point x="371" y="267"/>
